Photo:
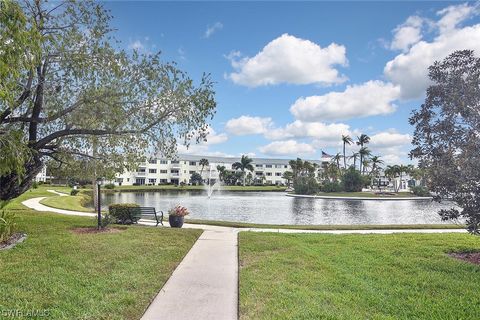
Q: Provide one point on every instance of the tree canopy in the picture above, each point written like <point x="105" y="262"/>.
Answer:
<point x="447" y="135"/>
<point x="79" y="94"/>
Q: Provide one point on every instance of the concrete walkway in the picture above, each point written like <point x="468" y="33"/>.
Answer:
<point x="205" y="283"/>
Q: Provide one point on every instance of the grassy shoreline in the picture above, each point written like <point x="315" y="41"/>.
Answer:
<point x="194" y="188"/>
<point x="319" y="276"/>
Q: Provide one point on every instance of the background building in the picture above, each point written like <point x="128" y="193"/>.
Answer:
<point x="165" y="171"/>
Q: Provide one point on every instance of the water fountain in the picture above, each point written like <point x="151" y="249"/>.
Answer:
<point x="210" y="188"/>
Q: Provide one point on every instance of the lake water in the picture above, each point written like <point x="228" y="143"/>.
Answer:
<point x="277" y="208"/>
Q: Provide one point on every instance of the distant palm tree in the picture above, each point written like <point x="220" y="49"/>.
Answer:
<point x="365" y="165"/>
<point x="203" y="162"/>
<point x="362" y="140"/>
<point x="346" y="139"/>
<point x="221" y="172"/>
<point x="364" y="153"/>
<point x="244" y="164"/>
<point x="376" y="162"/>
<point x="288" y="175"/>
<point x="336" y="158"/>
<point x="392" y="172"/>
<point x="354" y="156"/>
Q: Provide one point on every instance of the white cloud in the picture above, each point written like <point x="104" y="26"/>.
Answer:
<point x="287" y="147"/>
<point x="288" y="59"/>
<point x="320" y="131"/>
<point x="409" y="70"/>
<point x="368" y="99"/>
<point x="407" y="34"/>
<point x="389" y="139"/>
<point x="245" y="125"/>
<point x="214" y="138"/>
<point x="212" y="29"/>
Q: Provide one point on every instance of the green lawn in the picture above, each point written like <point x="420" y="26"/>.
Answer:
<point x="75" y="203"/>
<point x="88" y="276"/>
<point x="401" y="276"/>
<point x="366" y="194"/>
<point x="41" y="191"/>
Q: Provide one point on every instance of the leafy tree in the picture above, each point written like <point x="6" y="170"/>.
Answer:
<point x="346" y="139"/>
<point x="447" y="136"/>
<point x="352" y="181"/>
<point x="288" y="176"/>
<point x="196" y="178"/>
<point x="376" y="162"/>
<point x="392" y="172"/>
<point x="336" y="158"/>
<point x="221" y="172"/>
<point x="85" y="97"/>
<point x="244" y="164"/>
<point x="204" y="163"/>
<point x="355" y="156"/>
<point x="304" y="180"/>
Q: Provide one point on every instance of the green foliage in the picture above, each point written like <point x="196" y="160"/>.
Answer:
<point x="7" y="224"/>
<point x="420" y="191"/>
<point x="306" y="185"/>
<point x="328" y="186"/>
<point x="352" y="180"/>
<point x="121" y="212"/>
<point x="109" y="186"/>
<point x="74" y="192"/>
<point x="196" y="179"/>
<point x="34" y="185"/>
<point x="245" y="163"/>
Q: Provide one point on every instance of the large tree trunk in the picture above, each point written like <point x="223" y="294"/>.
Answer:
<point x="13" y="185"/>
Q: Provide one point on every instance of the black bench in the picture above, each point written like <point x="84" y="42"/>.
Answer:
<point x="137" y="213"/>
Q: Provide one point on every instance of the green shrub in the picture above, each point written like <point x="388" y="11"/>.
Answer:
<point x="34" y="185"/>
<point x="420" y="191"/>
<point x="121" y="213"/>
<point x="7" y="224"/>
<point x="352" y="181"/>
<point x="109" y="186"/>
<point x="305" y="185"/>
<point x="331" y="187"/>
<point x="73" y="192"/>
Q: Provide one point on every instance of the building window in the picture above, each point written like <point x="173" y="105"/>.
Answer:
<point x="259" y="174"/>
<point x="163" y="171"/>
<point x="193" y="163"/>
<point x="152" y="170"/>
<point x="163" y="161"/>
<point x="163" y="180"/>
<point x="141" y="170"/>
<point x="192" y="172"/>
<point x="128" y="179"/>
<point x="268" y="173"/>
<point x="119" y="180"/>
<point x="259" y="166"/>
<point x="152" y="181"/>
<point x="152" y="161"/>
<point x="174" y="171"/>
<point x="268" y="166"/>
<point x="278" y="166"/>
<point x="140" y="181"/>
<point x="175" y="162"/>
<point x="278" y="174"/>
<point x="285" y="166"/>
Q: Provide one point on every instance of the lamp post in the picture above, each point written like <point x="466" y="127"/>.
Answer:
<point x="99" y="206"/>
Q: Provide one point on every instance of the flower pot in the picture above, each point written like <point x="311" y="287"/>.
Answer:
<point x="175" y="221"/>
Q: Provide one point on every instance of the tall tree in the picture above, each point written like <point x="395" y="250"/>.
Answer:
<point x="346" y="139"/>
<point x="81" y="87"/>
<point x="447" y="136"/>
<point x="376" y="162"/>
<point x="244" y="164"/>
<point x="204" y="163"/>
<point x="364" y="153"/>
<point x="355" y="156"/>
<point x="221" y="172"/>
<point x="288" y="176"/>
<point x="336" y="158"/>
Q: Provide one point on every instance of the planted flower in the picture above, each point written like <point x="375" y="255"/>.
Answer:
<point x="176" y="216"/>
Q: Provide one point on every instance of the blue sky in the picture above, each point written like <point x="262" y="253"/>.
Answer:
<point x="291" y="78"/>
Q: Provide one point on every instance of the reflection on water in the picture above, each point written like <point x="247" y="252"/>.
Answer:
<point x="276" y="208"/>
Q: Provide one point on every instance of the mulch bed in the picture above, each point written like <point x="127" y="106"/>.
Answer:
<point x="472" y="257"/>
<point x="12" y="241"/>
<point x="94" y="230"/>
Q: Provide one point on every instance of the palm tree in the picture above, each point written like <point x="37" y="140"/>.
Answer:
<point x="392" y="172"/>
<point x="288" y="175"/>
<point x="365" y="165"/>
<point x="364" y="152"/>
<point x="346" y="139"/>
<point x="376" y="162"/>
<point x="354" y="156"/>
<point x="336" y="158"/>
<point x="203" y="162"/>
<point x="362" y="140"/>
<point x="221" y="172"/>
<point x="244" y="164"/>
